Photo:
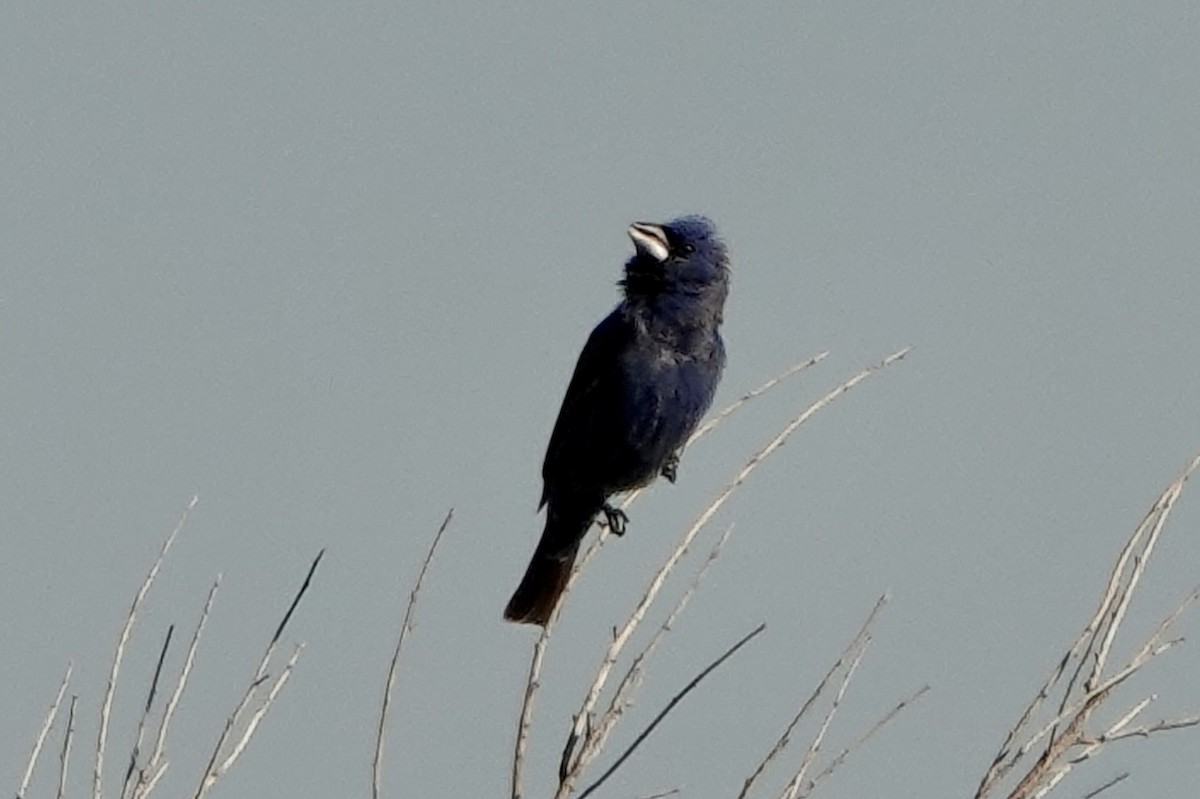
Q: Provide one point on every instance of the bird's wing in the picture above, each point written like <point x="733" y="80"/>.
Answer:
<point x="589" y="409"/>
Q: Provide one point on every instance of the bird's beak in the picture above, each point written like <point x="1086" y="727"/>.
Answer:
<point x="650" y="239"/>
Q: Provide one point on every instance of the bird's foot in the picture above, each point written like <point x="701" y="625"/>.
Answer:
<point x="669" y="468"/>
<point x="615" y="518"/>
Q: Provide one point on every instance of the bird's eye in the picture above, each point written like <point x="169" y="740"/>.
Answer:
<point x="686" y="249"/>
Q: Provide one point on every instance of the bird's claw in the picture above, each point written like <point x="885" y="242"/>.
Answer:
<point x="615" y="518"/>
<point x="669" y="468"/>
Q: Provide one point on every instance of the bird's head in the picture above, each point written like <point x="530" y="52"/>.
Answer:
<point x="683" y="256"/>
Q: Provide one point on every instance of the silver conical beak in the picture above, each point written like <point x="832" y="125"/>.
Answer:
<point x="650" y="239"/>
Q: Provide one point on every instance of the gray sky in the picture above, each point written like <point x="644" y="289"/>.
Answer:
<point x="329" y="266"/>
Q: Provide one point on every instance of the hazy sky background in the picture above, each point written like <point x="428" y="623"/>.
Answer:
<point x="328" y="266"/>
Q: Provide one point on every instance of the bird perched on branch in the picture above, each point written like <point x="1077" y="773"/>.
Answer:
<point x="643" y="381"/>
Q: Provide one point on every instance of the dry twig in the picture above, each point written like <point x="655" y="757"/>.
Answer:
<point x="156" y="766"/>
<point x="587" y="747"/>
<point x="525" y="719"/>
<point x="633" y="675"/>
<point x="1065" y="739"/>
<point x="217" y="767"/>
<point x="814" y="746"/>
<point x="1119" y="778"/>
<point x="128" y="786"/>
<point x="852" y="649"/>
<point x="64" y="756"/>
<point x="119" y="655"/>
<point x="675" y="700"/>
<point x="40" y="740"/>
<point x="405" y="628"/>
<point x="862" y="739"/>
<point x="794" y="369"/>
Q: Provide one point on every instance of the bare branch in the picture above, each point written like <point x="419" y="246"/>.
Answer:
<point x="45" y="731"/>
<point x="1117" y="614"/>
<point x="64" y="757"/>
<point x="525" y="722"/>
<point x="119" y="655"/>
<point x="1090" y="684"/>
<point x="633" y="675"/>
<point x="1119" y="778"/>
<point x="854" y="646"/>
<point x="794" y="369"/>
<point x="129" y="784"/>
<point x="1058" y="767"/>
<point x="155" y="767"/>
<point x="703" y="430"/>
<point x="393" y="667"/>
<point x="213" y="771"/>
<point x="1148" y="730"/>
<point x="793" y="787"/>
<point x="539" y="647"/>
<point x="675" y="700"/>
<point x="862" y="739"/>
<point x="261" y="711"/>
<point x="589" y="750"/>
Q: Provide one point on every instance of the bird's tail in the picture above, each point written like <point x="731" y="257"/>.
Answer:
<point x="543" y="583"/>
<point x="549" y="569"/>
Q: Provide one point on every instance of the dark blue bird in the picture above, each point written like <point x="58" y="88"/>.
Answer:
<point x="643" y="381"/>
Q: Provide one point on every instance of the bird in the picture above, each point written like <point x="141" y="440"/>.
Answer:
<point x="643" y="381"/>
